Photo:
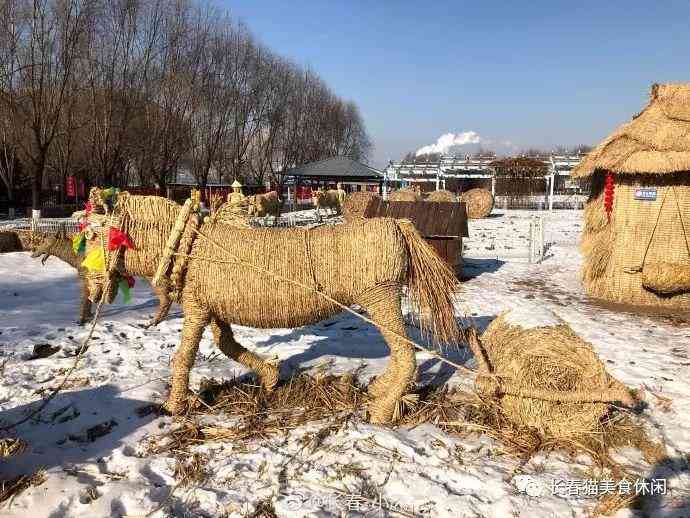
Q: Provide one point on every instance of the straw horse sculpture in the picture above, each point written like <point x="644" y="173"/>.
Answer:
<point x="261" y="205"/>
<point x="60" y="246"/>
<point x="284" y="278"/>
<point x="331" y="199"/>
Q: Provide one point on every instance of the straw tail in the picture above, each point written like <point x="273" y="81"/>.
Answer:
<point x="432" y="286"/>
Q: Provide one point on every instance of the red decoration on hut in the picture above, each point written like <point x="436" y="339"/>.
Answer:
<point x="609" y="188"/>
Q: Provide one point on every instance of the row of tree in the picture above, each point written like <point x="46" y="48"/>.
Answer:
<point x="122" y="92"/>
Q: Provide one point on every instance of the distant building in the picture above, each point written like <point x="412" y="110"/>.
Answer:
<point x="353" y="176"/>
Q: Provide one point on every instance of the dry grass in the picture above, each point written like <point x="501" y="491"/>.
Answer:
<point x="11" y="446"/>
<point x="335" y="399"/>
<point x="259" y="414"/>
<point x="190" y="470"/>
<point x="10" y="489"/>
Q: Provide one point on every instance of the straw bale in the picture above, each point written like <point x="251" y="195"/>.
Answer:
<point x="666" y="278"/>
<point x="656" y="141"/>
<point x="551" y="359"/>
<point x="406" y="194"/>
<point x="479" y="203"/>
<point x="356" y="203"/>
<point x="9" y="242"/>
<point x="442" y="195"/>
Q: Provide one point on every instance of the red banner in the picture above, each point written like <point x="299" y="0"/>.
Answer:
<point x="304" y="193"/>
<point x="71" y="186"/>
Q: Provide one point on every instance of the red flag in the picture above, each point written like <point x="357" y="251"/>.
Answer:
<point x="71" y="186"/>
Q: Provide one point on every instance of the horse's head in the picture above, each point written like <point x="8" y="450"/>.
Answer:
<point x="44" y="245"/>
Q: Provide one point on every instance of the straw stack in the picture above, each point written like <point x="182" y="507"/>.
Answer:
<point x="545" y="376"/>
<point x="479" y="203"/>
<point x="356" y="204"/>
<point x="442" y="195"/>
<point x="406" y="194"/>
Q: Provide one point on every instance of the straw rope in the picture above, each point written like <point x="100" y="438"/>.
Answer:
<point x="680" y="217"/>
<point x="651" y="237"/>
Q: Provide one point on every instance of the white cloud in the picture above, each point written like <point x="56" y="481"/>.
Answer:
<point x="449" y="140"/>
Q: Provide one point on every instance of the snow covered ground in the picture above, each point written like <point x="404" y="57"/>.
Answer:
<point x="91" y="438"/>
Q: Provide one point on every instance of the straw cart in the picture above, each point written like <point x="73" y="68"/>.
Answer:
<point x="636" y="240"/>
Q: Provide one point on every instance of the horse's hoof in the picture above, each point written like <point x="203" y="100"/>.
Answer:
<point x="171" y="407"/>
<point x="269" y="376"/>
<point x="380" y="413"/>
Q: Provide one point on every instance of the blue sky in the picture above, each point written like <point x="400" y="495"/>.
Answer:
<point x="533" y="73"/>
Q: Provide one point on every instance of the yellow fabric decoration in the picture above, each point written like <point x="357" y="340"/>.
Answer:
<point x="95" y="260"/>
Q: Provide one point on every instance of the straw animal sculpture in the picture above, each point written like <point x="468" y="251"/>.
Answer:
<point x="636" y="238"/>
<point x="478" y="202"/>
<point x="9" y="242"/>
<point x="547" y="377"/>
<point x="60" y="245"/>
<point x="356" y="203"/>
<point x="406" y="194"/>
<point x="332" y="199"/>
<point x="442" y="195"/>
<point x="261" y="205"/>
<point x="268" y="278"/>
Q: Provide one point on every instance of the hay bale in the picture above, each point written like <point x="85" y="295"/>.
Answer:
<point x="443" y="196"/>
<point x="356" y="204"/>
<point x="406" y="194"/>
<point x="666" y="278"/>
<point x="10" y="242"/>
<point x="479" y="203"/>
<point x="549" y="378"/>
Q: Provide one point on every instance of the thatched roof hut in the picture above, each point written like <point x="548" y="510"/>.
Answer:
<point x="636" y="241"/>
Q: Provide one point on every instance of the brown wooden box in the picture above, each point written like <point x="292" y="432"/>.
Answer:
<point x="441" y="224"/>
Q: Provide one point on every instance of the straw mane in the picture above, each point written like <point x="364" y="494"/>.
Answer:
<point x="657" y="141"/>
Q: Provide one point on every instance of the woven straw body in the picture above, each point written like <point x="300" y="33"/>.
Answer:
<point x="644" y="238"/>
<point x="479" y="203"/>
<point x="324" y="257"/>
<point x="550" y="358"/>
<point x="442" y="195"/>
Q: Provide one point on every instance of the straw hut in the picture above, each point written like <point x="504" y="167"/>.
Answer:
<point x="636" y="240"/>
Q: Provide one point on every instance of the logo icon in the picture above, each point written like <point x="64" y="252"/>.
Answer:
<point x="528" y="485"/>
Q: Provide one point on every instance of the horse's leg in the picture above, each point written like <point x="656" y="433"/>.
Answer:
<point x="383" y="305"/>
<point x="222" y="333"/>
<point x="195" y="320"/>
<point x="164" y="303"/>
<point x="84" y="302"/>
